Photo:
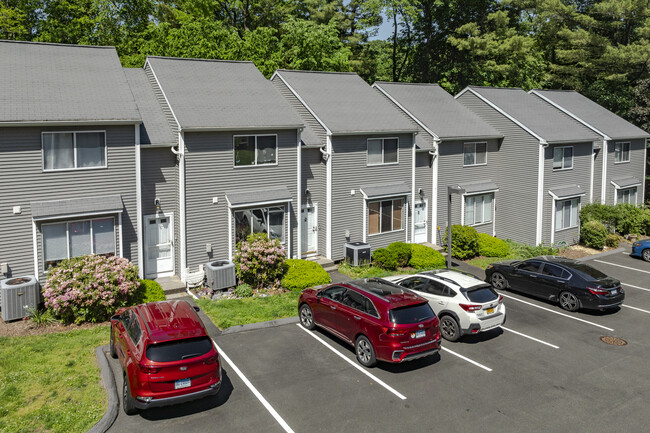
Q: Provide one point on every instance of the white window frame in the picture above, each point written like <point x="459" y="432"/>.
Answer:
<point x="562" y="168"/>
<point x="577" y="219"/>
<point x="482" y="195"/>
<point x="74" y="147"/>
<point x="392" y="200"/>
<point x="256" y="164"/>
<point x="67" y="235"/>
<point x="266" y="210"/>
<point x="622" y="192"/>
<point x="475" y="143"/>
<point x="622" y="144"/>
<point x="383" y="151"/>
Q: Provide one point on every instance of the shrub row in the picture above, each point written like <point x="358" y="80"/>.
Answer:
<point x="621" y="218"/>
<point x="468" y="243"/>
<point x="401" y="254"/>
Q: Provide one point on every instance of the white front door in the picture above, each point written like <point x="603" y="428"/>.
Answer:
<point x="420" y="221"/>
<point x="309" y="243"/>
<point x="159" y="251"/>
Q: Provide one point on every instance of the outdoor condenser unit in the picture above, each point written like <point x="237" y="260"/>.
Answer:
<point x="357" y="253"/>
<point x="220" y="274"/>
<point x="19" y="295"/>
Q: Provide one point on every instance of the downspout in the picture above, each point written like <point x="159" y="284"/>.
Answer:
<point x="180" y="154"/>
<point x="328" y="195"/>
<point x="593" y="162"/>
<point x="434" y="190"/>
<point x="540" y="191"/>
<point x="138" y="194"/>
<point x="603" y="187"/>
<point x="298" y="251"/>
<point x="413" y="192"/>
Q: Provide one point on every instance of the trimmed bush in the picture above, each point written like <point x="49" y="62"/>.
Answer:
<point x="243" y="291"/>
<point x="304" y="273"/>
<point x="149" y="291"/>
<point x="402" y="253"/>
<point x="593" y="234"/>
<point x="90" y="288"/>
<point x="489" y="246"/>
<point x="611" y="240"/>
<point x="622" y="218"/>
<point x="260" y="261"/>
<point x="423" y="257"/>
<point x="464" y="241"/>
<point x="384" y="258"/>
<point x="523" y="251"/>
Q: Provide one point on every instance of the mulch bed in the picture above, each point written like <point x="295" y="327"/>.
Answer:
<point x="19" y="328"/>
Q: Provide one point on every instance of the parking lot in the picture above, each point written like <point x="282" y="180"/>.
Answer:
<point x="544" y="370"/>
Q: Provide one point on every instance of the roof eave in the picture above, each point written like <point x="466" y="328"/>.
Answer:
<point x="376" y="131"/>
<point x="69" y="122"/>
<point x="240" y="128"/>
<point x="471" y="137"/>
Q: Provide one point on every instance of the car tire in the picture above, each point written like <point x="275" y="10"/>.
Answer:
<point x="569" y="301"/>
<point x="499" y="281"/>
<point x="645" y="254"/>
<point x="306" y="317"/>
<point x="128" y="402"/>
<point x="449" y="328"/>
<point x="365" y="352"/>
<point x="112" y="346"/>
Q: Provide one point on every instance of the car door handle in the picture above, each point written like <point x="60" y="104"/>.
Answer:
<point x="357" y="317"/>
<point x="332" y="307"/>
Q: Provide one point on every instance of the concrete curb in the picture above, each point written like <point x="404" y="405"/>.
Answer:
<point x="260" y="325"/>
<point x="109" y="383"/>
<point x="599" y="255"/>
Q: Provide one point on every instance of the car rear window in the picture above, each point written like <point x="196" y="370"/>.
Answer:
<point x="588" y="270"/>
<point x="481" y="294"/>
<point x="411" y="314"/>
<point x="178" y="350"/>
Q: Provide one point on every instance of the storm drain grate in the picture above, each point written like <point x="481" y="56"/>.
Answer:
<point x="614" y="341"/>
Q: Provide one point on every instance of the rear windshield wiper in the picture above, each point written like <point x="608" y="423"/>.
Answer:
<point x="191" y="355"/>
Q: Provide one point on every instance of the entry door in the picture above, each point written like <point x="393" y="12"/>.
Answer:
<point x="420" y="221"/>
<point x="159" y="248"/>
<point x="309" y="217"/>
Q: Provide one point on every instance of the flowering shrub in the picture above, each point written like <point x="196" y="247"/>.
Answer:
<point x="89" y="288"/>
<point x="260" y="262"/>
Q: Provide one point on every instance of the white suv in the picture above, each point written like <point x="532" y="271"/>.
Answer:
<point x="464" y="304"/>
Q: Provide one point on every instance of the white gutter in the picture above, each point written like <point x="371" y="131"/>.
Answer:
<point x="434" y="191"/>
<point x="328" y="196"/>
<point x="413" y="192"/>
<point x="138" y="197"/>
<point x="540" y="193"/>
<point x="298" y="252"/>
<point x="603" y="187"/>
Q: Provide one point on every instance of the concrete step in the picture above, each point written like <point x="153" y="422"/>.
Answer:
<point x="171" y="285"/>
<point x="325" y="263"/>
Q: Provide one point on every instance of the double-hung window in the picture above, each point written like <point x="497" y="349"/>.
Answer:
<point x="382" y="151"/>
<point x="563" y="157"/>
<point x="74" y="150"/>
<point x="478" y="209"/>
<point x="626" y="196"/>
<point x="474" y="154"/>
<point x="566" y="214"/>
<point x="64" y="240"/>
<point x="621" y="152"/>
<point x="269" y="220"/>
<point x="385" y="216"/>
<point x="255" y="150"/>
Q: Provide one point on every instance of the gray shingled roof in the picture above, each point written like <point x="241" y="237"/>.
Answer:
<point x="626" y="181"/>
<point x="479" y="186"/>
<point x="63" y="83"/>
<point x="58" y="208"/>
<point x="215" y="94"/>
<point x="436" y="109"/>
<point x="345" y="103"/>
<point x="595" y="115"/>
<point x="385" y="190"/>
<point x="258" y="196"/>
<point x="537" y="115"/>
<point x="567" y="191"/>
<point x="154" y="128"/>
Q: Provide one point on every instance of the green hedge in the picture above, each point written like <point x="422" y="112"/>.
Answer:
<point x="593" y="234"/>
<point x="384" y="258"/>
<point x="304" y="273"/>
<point x="489" y="246"/>
<point x="621" y="218"/>
<point x="464" y="241"/>
<point x="423" y="257"/>
<point x="149" y="291"/>
<point x="402" y="253"/>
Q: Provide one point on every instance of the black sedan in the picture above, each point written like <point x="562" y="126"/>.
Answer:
<point x="572" y="283"/>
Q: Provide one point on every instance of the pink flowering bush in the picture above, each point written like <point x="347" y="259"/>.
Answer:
<point x="260" y="262"/>
<point x="90" y="288"/>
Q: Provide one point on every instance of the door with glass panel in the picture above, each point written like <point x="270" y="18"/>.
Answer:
<point x="420" y="222"/>
<point x="159" y="237"/>
<point x="309" y="230"/>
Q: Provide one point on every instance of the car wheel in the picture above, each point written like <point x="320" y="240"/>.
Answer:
<point x="499" y="281"/>
<point x="365" y="351"/>
<point x="112" y="346"/>
<point x="306" y="317"/>
<point x="449" y="328"/>
<point x="646" y="255"/>
<point x="128" y="402"/>
<point x="569" y="301"/>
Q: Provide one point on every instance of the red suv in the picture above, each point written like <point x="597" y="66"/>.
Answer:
<point x="166" y="355"/>
<point x="383" y="321"/>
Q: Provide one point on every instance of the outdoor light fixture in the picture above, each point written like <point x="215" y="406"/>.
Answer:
<point x="421" y="192"/>
<point x="156" y="202"/>
<point x="307" y="193"/>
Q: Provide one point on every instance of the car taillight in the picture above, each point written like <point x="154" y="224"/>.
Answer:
<point x="500" y="299"/>
<point x="391" y="332"/>
<point x="211" y="360"/>
<point x="597" y="290"/>
<point x="148" y="370"/>
<point x="470" y="307"/>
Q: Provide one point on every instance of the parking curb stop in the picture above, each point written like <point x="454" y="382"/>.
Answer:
<point x="260" y="325"/>
<point x="109" y="383"/>
<point x="603" y="254"/>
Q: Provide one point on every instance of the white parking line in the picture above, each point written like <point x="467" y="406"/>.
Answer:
<point x="355" y="365"/>
<point x="621" y="266"/>
<point x="257" y="394"/>
<point x="528" y="336"/>
<point x="466" y="359"/>
<point x="635" y="308"/>
<point x="636" y="287"/>
<point x="554" y="312"/>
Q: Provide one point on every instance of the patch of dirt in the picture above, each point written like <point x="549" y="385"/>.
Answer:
<point x="578" y="251"/>
<point x="19" y="328"/>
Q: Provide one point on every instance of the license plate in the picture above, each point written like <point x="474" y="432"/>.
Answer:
<point x="615" y="291"/>
<point x="182" y="383"/>
<point x="418" y="334"/>
<point x="489" y="311"/>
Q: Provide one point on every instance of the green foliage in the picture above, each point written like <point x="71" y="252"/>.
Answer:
<point x="304" y="273"/>
<point x="423" y="257"/>
<point x="522" y="251"/>
<point x="41" y="318"/>
<point x="149" y="291"/>
<point x="622" y="218"/>
<point x="612" y="240"/>
<point x="593" y="234"/>
<point x="357" y="272"/>
<point x="464" y="241"/>
<point x="489" y="246"/>
<point x="243" y="291"/>
<point x="384" y="258"/>
<point x="260" y="261"/>
<point x="402" y="253"/>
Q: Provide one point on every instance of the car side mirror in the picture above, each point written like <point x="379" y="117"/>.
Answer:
<point x="115" y="318"/>
<point x="197" y="309"/>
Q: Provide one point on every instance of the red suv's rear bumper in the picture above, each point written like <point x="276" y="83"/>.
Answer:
<point x="150" y="402"/>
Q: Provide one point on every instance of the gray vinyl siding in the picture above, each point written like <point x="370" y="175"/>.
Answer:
<point x="579" y="175"/>
<point x="303" y="112"/>
<point x="636" y="168"/>
<point x="515" y="172"/>
<point x="314" y="177"/>
<point x="350" y="172"/>
<point x="23" y="181"/>
<point x="161" y="99"/>
<point x="160" y="180"/>
<point x="210" y="172"/>
<point x="424" y="181"/>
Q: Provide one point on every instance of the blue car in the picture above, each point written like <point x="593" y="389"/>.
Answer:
<point x="641" y="249"/>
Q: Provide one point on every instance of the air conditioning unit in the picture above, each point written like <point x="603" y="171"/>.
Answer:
<point x="220" y="274"/>
<point x="357" y="253"/>
<point x="19" y="295"/>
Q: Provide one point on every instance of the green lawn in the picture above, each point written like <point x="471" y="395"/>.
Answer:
<point x="51" y="383"/>
<point x="483" y="262"/>
<point x="357" y="272"/>
<point x="230" y="312"/>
